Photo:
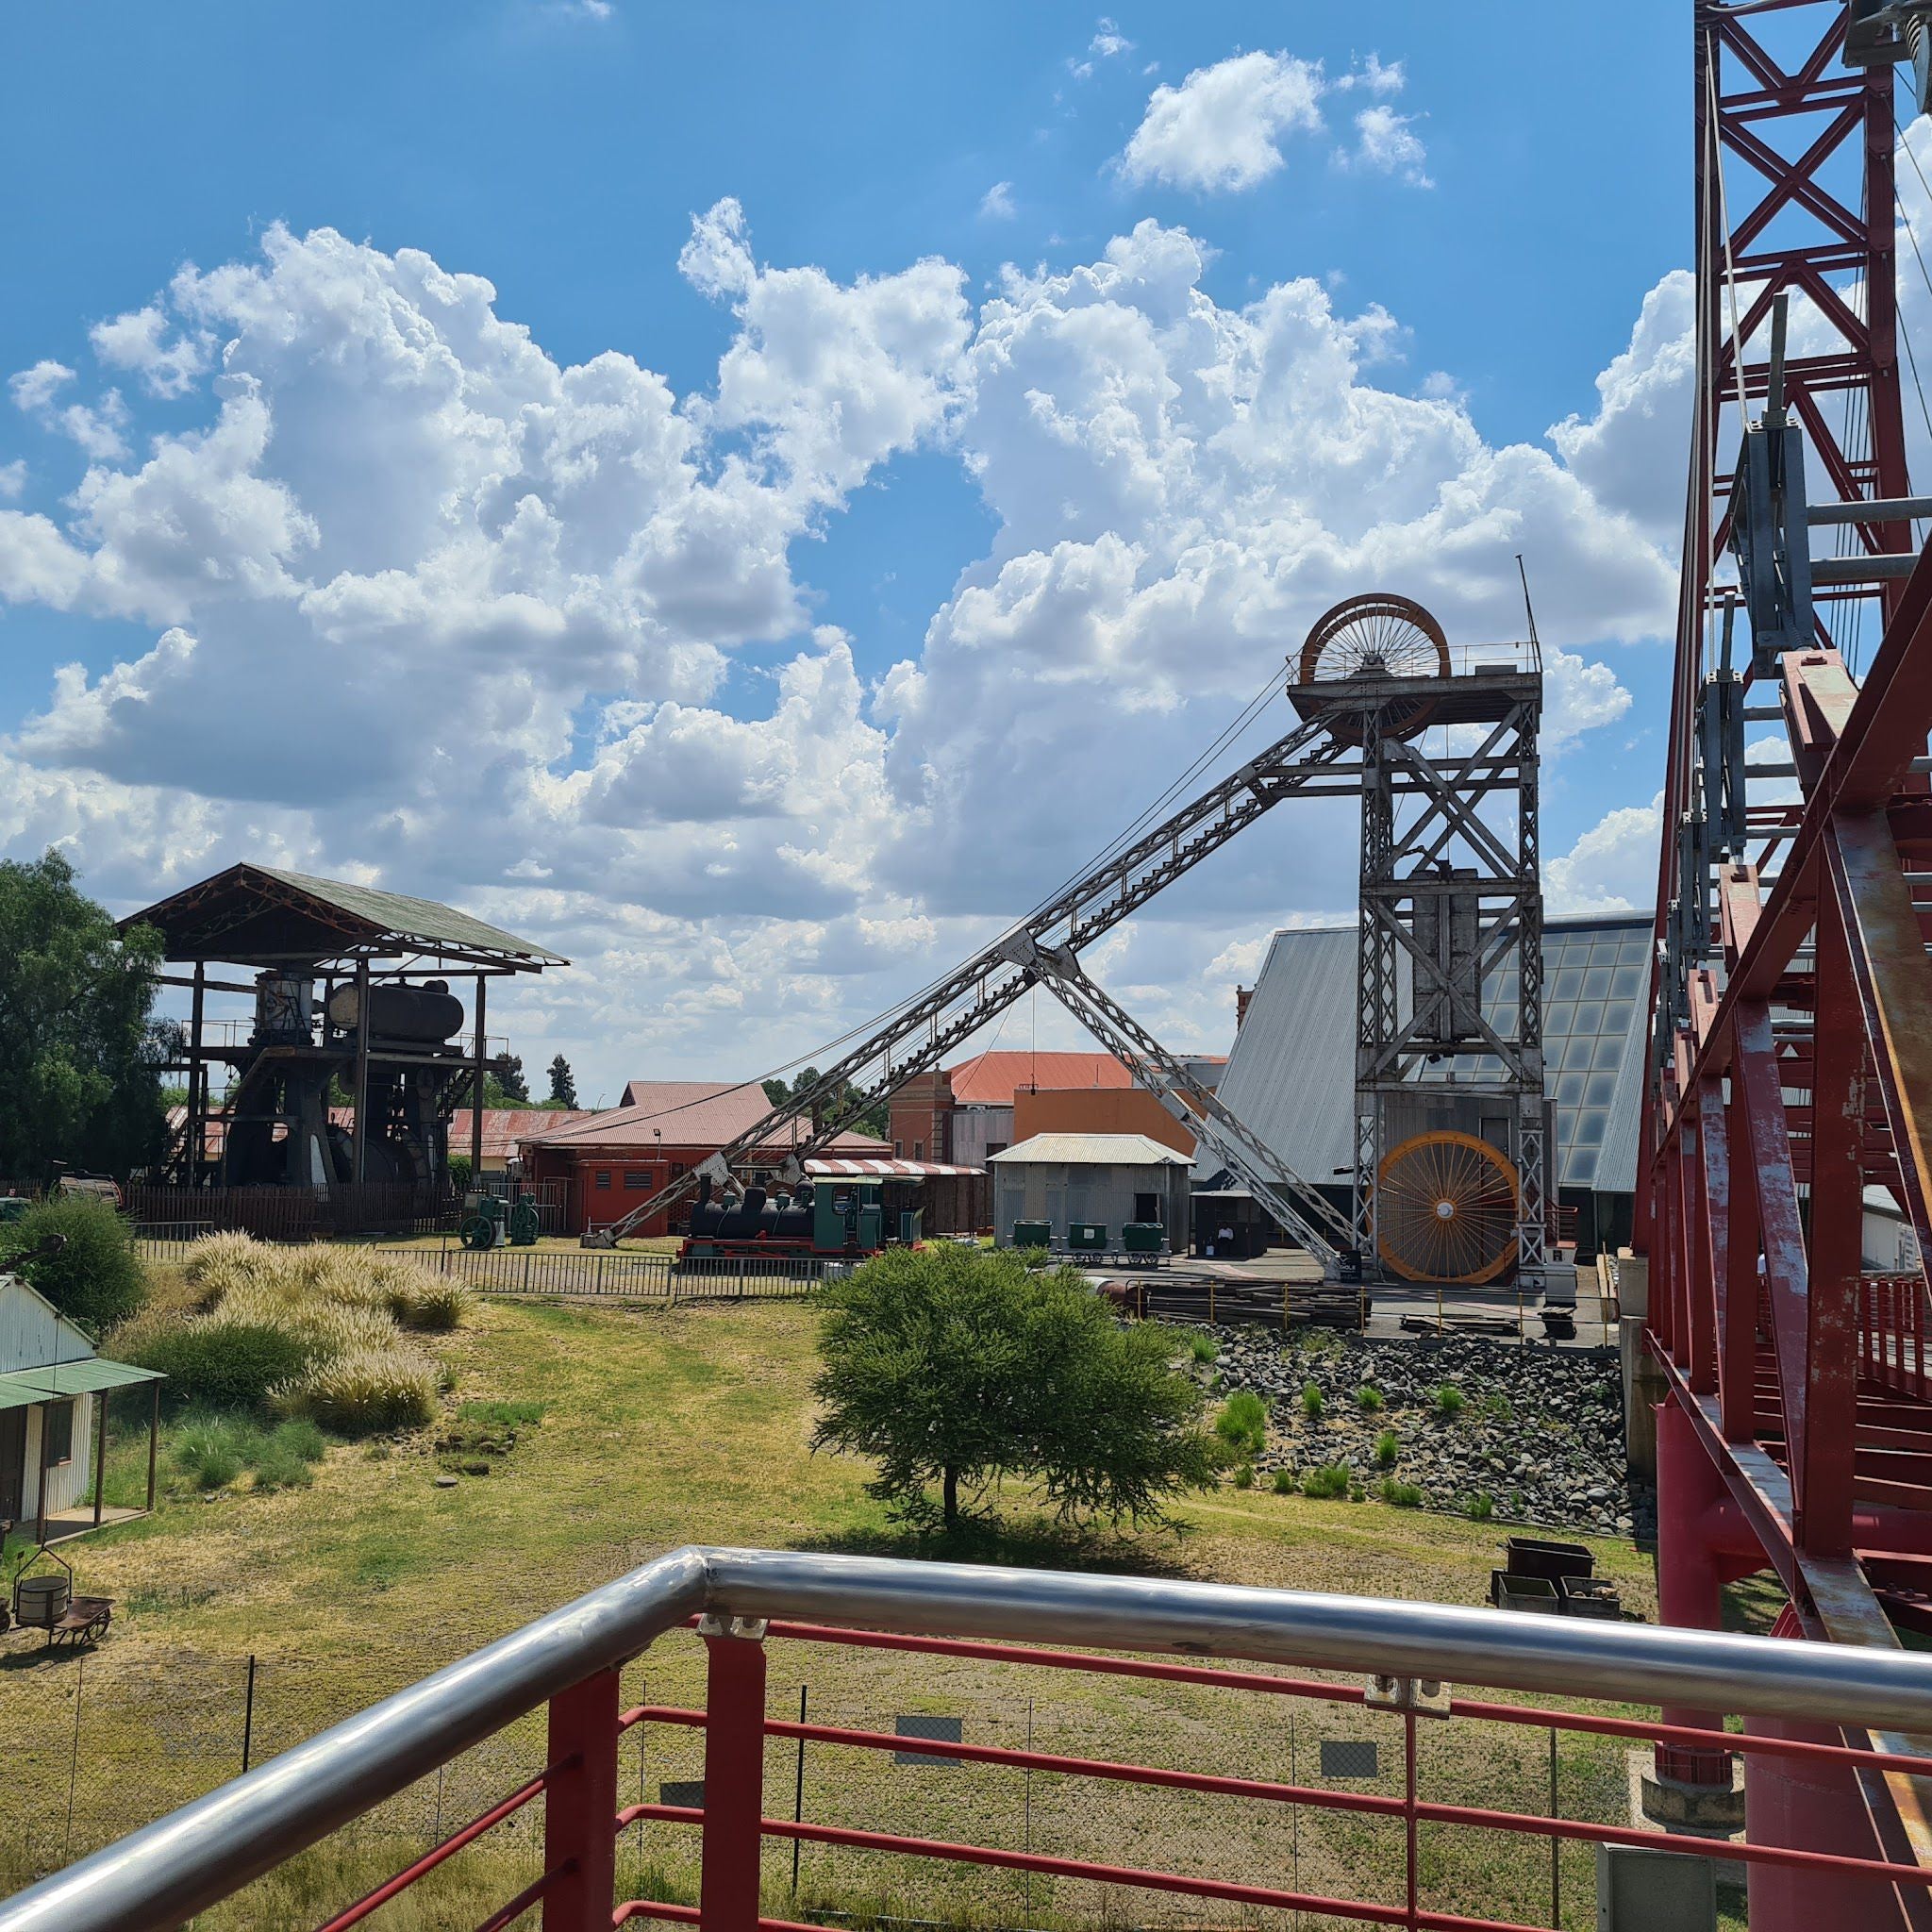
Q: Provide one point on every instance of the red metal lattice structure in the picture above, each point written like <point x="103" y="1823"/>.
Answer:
<point x="1794" y="1041"/>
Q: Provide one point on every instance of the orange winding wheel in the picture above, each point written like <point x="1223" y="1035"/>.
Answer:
<point x="1377" y="636"/>
<point x="1446" y="1207"/>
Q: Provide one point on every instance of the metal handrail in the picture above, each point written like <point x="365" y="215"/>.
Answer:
<point x="158" y="1876"/>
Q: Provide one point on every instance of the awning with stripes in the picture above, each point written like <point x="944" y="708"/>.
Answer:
<point x="879" y="1170"/>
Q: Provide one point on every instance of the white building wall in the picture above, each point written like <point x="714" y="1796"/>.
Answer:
<point x="70" y="1483"/>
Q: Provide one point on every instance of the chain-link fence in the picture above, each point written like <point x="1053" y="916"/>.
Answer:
<point x="98" y="1743"/>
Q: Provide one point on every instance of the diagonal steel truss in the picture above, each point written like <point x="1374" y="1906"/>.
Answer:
<point x="1304" y="763"/>
<point x="1296" y="1206"/>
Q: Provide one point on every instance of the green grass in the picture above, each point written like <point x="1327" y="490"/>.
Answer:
<point x="635" y="1432"/>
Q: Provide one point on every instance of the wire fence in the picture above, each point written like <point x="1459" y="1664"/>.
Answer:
<point x="572" y="1273"/>
<point x="99" y="1743"/>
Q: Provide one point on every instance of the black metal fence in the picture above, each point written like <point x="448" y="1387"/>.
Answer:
<point x="612" y="1274"/>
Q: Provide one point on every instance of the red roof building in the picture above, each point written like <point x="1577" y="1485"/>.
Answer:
<point x="615" y="1161"/>
<point x="991" y="1079"/>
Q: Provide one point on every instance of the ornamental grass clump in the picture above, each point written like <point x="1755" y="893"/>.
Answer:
<point x="364" y="1392"/>
<point x="314" y="1334"/>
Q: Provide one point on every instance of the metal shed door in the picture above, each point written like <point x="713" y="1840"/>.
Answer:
<point x="12" y="1463"/>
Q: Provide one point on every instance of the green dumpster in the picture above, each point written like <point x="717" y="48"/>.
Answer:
<point x="1087" y="1235"/>
<point x="1142" y="1237"/>
<point x="1033" y="1234"/>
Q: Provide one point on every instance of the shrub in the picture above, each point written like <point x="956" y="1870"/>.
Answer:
<point x="1367" y="1398"/>
<point x="96" y="1277"/>
<point x="216" y="1362"/>
<point x="1242" y="1424"/>
<point x="1203" y="1348"/>
<point x="1388" y="1447"/>
<point x="218" y="1263"/>
<point x="1449" y="1401"/>
<point x="363" y="1391"/>
<point x="1480" y="1506"/>
<point x="1330" y="1481"/>
<point x="1244" y="1477"/>
<point x="1035" y="1259"/>
<point x="1284" y="1482"/>
<point x="1311" y="1402"/>
<point x="209" y="1451"/>
<point x="1403" y="1495"/>
<point x="331" y="1275"/>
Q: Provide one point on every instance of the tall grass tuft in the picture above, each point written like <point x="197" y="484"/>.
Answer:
<point x="364" y="1392"/>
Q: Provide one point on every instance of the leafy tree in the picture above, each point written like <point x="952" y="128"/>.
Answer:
<point x="511" y="1083"/>
<point x="873" y="1120"/>
<point x="93" y="1274"/>
<point x="563" y="1085"/>
<point x="81" y="1050"/>
<point x="958" y="1366"/>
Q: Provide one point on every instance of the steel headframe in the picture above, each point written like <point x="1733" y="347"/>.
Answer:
<point x="1791" y="994"/>
<point x="1451" y="894"/>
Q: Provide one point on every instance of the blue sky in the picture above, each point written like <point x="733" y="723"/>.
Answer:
<point x="562" y="152"/>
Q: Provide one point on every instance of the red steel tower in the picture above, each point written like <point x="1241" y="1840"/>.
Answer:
<point x="1792" y="991"/>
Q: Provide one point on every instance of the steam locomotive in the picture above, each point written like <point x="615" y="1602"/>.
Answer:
<point x="822" y="1219"/>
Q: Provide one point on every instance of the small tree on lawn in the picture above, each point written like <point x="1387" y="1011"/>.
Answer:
<point x="563" y="1085"/>
<point x="956" y="1366"/>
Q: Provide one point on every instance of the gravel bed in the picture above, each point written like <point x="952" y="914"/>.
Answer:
<point x="1539" y="1434"/>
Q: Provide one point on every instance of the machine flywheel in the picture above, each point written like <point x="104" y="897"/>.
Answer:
<point x="1446" y="1208"/>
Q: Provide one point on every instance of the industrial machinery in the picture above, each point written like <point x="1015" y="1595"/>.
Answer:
<point x="491" y="1220"/>
<point x="1441" y="885"/>
<point x="1453" y="1127"/>
<point x="819" y="1219"/>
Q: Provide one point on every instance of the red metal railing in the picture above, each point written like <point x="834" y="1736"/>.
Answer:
<point x="1891" y="1333"/>
<point x="583" y="1818"/>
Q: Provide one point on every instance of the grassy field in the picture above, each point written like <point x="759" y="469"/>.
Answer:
<point x="670" y="1425"/>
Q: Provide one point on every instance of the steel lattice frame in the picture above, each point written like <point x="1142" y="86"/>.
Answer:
<point x="1479" y="806"/>
<point x="1793" y="1007"/>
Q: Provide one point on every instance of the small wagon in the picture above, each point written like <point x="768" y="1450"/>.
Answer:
<point x="48" y="1602"/>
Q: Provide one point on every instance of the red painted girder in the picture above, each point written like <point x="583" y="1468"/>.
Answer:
<point x="1780" y="1233"/>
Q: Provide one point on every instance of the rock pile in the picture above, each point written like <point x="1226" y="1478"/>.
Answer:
<point x="1537" y="1437"/>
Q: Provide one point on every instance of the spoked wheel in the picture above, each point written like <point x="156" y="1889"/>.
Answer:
<point x="1378" y="636"/>
<point x="1446" y="1208"/>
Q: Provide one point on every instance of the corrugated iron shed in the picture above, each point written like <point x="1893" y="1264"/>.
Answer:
<point x="1291" y="1074"/>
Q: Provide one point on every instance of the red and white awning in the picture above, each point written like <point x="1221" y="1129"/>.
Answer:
<point x="885" y="1169"/>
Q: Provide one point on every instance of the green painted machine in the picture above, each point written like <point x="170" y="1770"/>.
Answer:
<point x="491" y="1222"/>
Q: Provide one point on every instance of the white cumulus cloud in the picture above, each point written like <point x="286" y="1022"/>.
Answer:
<point x="1221" y="129"/>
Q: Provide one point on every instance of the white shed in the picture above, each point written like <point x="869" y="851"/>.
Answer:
<point x="54" y="1393"/>
<point x="1105" y="1180"/>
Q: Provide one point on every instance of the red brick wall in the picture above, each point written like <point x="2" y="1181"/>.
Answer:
<point x="921" y="1111"/>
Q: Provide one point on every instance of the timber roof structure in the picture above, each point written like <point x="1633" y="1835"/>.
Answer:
<point x="258" y="915"/>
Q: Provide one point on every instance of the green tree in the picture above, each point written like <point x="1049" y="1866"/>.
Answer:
<point x="511" y="1083"/>
<point x="958" y="1366"/>
<point x="81" y="1050"/>
<point x="833" y="1104"/>
<point x="92" y="1273"/>
<point x="563" y="1085"/>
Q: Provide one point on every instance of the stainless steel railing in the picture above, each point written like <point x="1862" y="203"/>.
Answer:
<point x="158" y="1876"/>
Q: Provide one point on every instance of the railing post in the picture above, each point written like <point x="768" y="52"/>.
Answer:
<point x="580" y="1806"/>
<point x="734" y="1773"/>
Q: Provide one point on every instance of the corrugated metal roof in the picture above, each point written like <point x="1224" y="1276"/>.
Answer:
<point x="990" y="1079"/>
<point x="1291" y="1074"/>
<point x="1094" y="1150"/>
<point x="415" y="919"/>
<point x="689" y="1113"/>
<point x="26" y="1387"/>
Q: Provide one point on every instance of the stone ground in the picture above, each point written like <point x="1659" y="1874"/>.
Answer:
<point x="1539" y="1434"/>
